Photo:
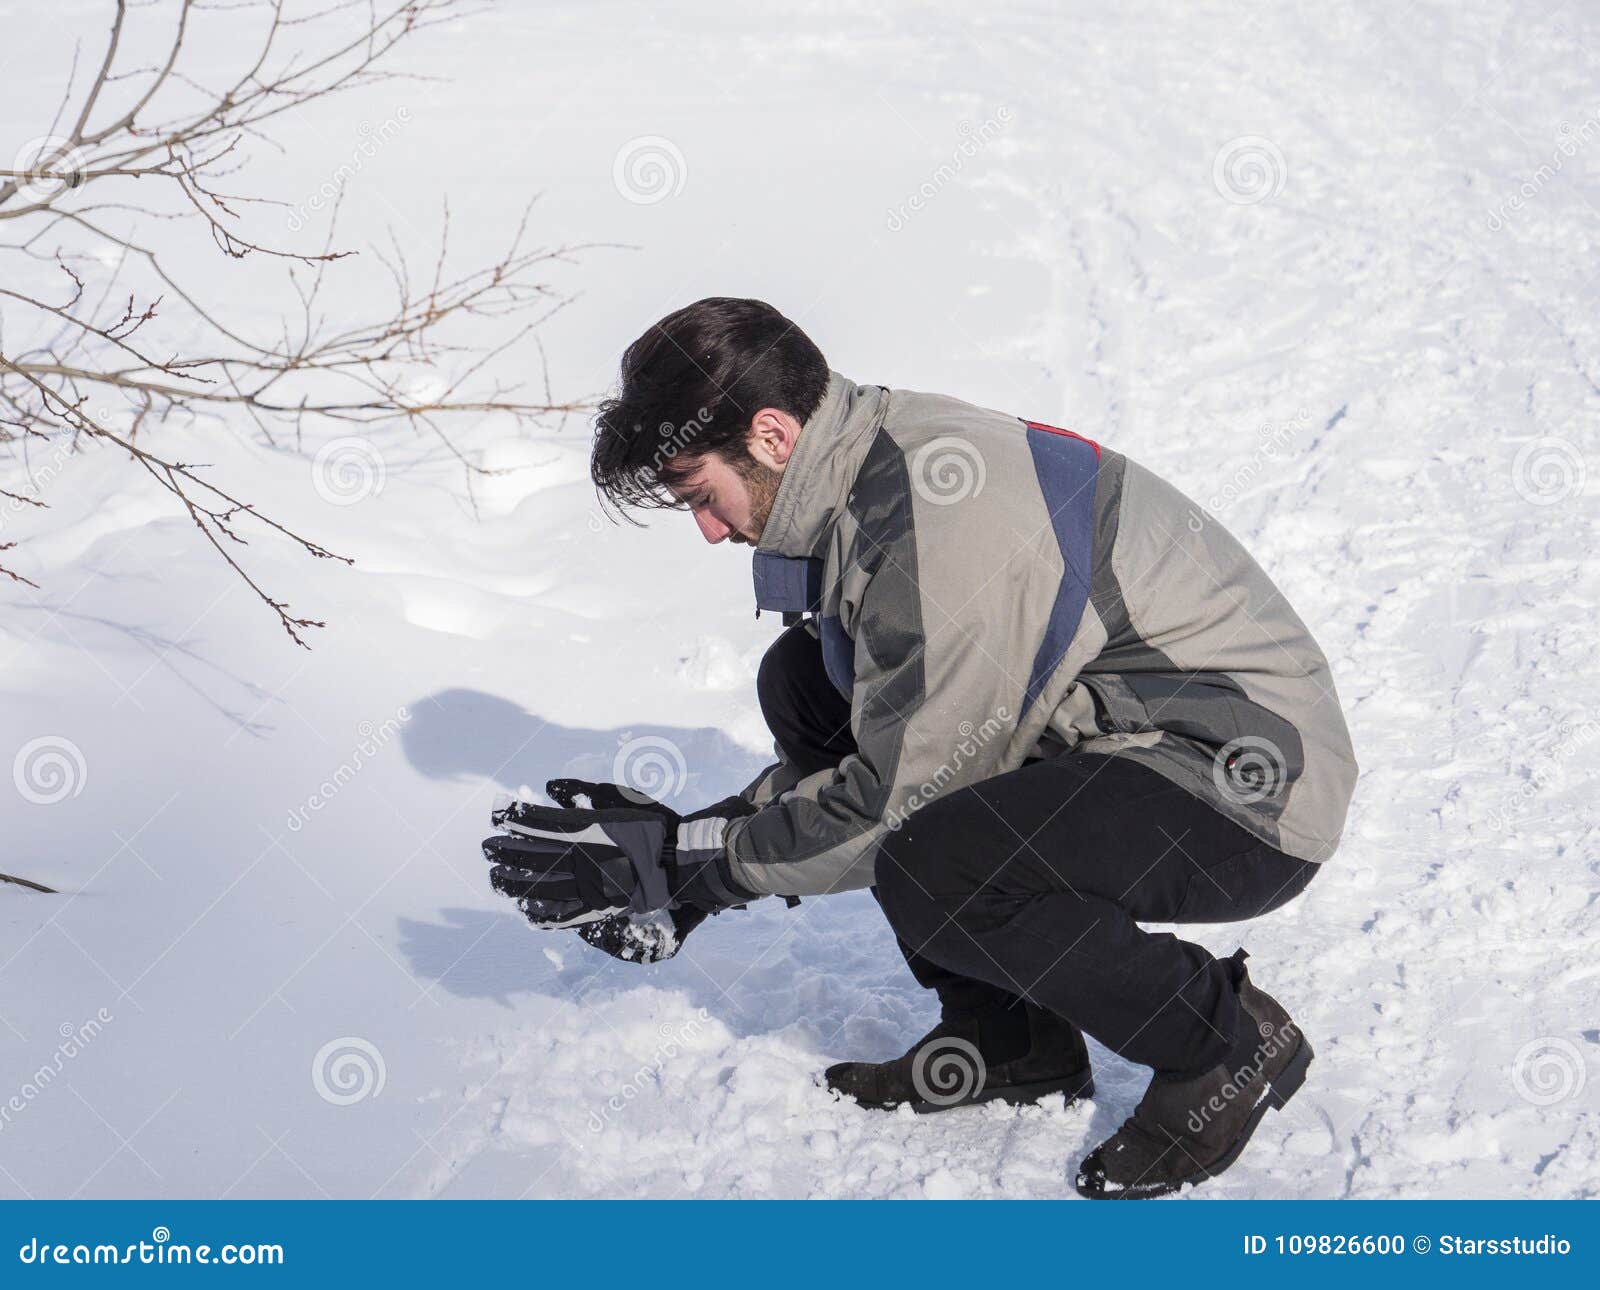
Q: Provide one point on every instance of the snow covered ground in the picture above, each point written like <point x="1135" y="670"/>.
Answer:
<point x="1331" y="269"/>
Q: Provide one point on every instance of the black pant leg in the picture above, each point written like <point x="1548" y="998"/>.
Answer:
<point x="810" y="720"/>
<point x="1035" y="881"/>
<point x="807" y="716"/>
<point x="956" y="993"/>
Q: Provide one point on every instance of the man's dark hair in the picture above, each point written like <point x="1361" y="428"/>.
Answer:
<point x="690" y="386"/>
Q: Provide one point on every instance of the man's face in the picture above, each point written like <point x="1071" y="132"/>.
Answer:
<point x="729" y="503"/>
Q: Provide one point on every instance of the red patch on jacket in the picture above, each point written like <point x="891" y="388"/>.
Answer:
<point x="1071" y="434"/>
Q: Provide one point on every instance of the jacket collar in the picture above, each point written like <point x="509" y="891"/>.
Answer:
<point x="816" y="483"/>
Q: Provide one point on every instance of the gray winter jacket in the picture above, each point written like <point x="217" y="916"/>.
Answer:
<point x="987" y="590"/>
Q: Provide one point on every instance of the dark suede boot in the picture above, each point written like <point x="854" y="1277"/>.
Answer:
<point x="952" y="1066"/>
<point x="1186" y="1131"/>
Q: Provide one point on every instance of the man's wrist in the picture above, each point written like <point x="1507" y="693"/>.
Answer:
<point x="700" y="875"/>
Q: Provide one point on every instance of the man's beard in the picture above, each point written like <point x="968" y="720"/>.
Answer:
<point x="761" y="482"/>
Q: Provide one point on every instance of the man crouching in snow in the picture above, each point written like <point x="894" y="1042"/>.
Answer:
<point x="1028" y="693"/>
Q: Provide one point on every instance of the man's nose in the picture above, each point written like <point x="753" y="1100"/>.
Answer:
<point x="711" y="528"/>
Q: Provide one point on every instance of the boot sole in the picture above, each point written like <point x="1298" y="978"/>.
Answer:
<point x="1284" y="1086"/>
<point x="1074" y="1087"/>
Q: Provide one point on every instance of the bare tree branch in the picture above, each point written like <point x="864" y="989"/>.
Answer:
<point x="105" y="349"/>
<point x="29" y="883"/>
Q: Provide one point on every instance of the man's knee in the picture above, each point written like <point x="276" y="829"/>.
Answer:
<point x="917" y="885"/>
<point x="898" y="892"/>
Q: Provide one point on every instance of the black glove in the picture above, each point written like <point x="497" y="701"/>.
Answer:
<point x="567" y="865"/>
<point x="633" y="938"/>
<point x="643" y="938"/>
<point x="600" y="797"/>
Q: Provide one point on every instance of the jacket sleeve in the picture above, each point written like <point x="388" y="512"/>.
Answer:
<point x="772" y="782"/>
<point x="931" y="710"/>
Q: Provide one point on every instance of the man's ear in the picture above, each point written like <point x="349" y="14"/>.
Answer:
<point x="773" y="435"/>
